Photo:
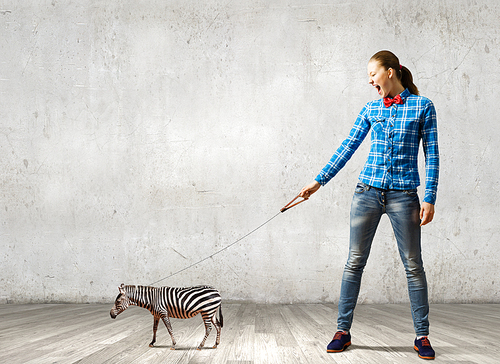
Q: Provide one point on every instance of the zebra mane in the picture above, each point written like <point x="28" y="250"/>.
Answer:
<point x="133" y="288"/>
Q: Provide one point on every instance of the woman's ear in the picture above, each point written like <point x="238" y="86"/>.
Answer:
<point x="390" y="72"/>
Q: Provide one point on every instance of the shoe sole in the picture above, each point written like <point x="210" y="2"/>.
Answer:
<point x="423" y="357"/>
<point x="338" y="351"/>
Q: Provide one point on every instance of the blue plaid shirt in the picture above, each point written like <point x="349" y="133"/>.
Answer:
<point x="395" y="137"/>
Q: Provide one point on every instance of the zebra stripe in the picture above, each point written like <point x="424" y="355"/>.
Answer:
<point x="166" y="302"/>
<point x="187" y="302"/>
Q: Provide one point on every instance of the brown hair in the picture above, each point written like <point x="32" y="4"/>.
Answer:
<point x="388" y="60"/>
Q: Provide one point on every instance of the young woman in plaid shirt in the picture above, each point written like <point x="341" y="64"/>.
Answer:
<point x="388" y="183"/>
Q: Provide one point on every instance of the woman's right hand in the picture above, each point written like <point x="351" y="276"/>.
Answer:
<point x="308" y="190"/>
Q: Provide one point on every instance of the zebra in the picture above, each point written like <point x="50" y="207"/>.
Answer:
<point x="166" y="302"/>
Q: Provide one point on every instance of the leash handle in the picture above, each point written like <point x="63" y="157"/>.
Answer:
<point x="289" y="205"/>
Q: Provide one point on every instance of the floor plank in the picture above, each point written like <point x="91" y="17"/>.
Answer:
<point x="252" y="334"/>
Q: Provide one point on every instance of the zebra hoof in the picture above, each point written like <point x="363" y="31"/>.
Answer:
<point x="151" y="345"/>
<point x="172" y="348"/>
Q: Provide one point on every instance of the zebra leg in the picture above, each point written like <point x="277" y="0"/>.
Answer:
<point x="155" y="327"/>
<point x="208" y="327"/>
<point x="217" y="327"/>
<point x="166" y="321"/>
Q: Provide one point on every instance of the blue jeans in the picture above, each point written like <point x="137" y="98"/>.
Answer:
<point x="403" y="210"/>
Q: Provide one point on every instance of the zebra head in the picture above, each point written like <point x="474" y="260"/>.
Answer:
<point x="121" y="303"/>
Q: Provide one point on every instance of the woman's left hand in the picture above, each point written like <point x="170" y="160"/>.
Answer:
<point x="426" y="213"/>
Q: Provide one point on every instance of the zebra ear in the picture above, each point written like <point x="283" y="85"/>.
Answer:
<point x="121" y="288"/>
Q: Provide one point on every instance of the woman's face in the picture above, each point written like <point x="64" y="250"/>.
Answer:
<point x="381" y="79"/>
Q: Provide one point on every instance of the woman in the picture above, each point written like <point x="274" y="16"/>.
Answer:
<point x="387" y="185"/>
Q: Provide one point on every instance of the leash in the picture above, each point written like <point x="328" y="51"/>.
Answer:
<point x="286" y="207"/>
<point x="289" y="205"/>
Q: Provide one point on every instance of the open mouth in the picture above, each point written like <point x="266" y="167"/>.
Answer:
<point x="379" y="89"/>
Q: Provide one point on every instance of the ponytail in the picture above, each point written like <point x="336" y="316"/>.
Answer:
<point x="388" y="60"/>
<point x="407" y="80"/>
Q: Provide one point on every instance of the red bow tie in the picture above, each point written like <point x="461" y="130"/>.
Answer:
<point x="388" y="101"/>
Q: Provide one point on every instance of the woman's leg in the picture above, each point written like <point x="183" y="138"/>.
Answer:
<point x="403" y="209"/>
<point x="366" y="211"/>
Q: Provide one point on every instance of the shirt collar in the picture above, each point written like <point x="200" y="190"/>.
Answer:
<point x="405" y="94"/>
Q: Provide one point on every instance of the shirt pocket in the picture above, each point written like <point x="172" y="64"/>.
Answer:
<point x="378" y="127"/>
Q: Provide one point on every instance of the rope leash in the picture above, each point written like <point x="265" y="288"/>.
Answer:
<point x="286" y="207"/>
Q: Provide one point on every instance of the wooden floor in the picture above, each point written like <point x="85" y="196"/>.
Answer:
<point x="252" y="334"/>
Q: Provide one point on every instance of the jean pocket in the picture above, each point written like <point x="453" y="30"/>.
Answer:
<point x="412" y="192"/>
<point x="361" y="187"/>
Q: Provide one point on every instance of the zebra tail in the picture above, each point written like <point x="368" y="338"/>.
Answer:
<point x="221" y="318"/>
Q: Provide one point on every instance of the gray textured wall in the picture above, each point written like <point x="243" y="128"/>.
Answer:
<point x="137" y="137"/>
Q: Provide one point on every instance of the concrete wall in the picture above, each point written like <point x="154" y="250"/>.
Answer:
<point x="138" y="137"/>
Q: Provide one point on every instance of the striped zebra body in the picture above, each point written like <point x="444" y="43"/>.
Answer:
<point x="170" y="302"/>
<point x="188" y="302"/>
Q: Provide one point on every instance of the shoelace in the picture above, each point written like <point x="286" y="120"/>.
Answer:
<point x="338" y="335"/>
<point x="425" y="342"/>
